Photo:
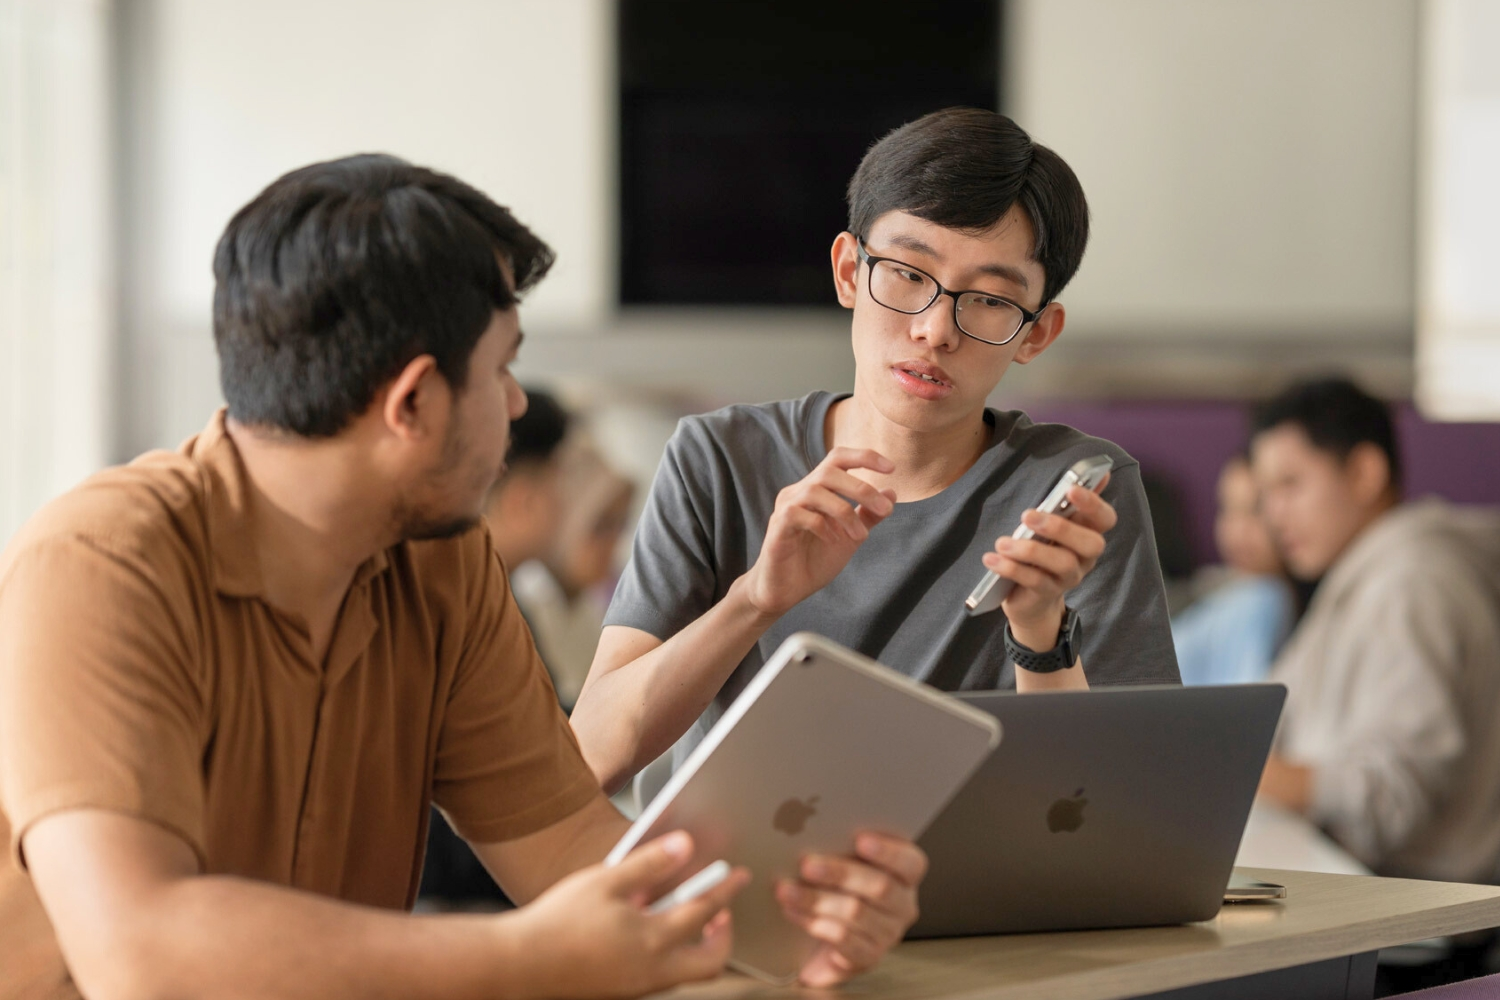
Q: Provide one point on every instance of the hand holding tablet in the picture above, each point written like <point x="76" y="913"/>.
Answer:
<point x="823" y="746"/>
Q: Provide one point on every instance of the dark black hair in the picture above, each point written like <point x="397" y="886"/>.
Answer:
<point x="1336" y="415"/>
<point x="535" y="437"/>
<point x="339" y="274"/>
<point x="963" y="168"/>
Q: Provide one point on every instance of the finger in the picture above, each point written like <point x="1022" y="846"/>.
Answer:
<point x="853" y="488"/>
<point x="1024" y="576"/>
<point x="852" y="877"/>
<point x="1063" y="565"/>
<point x="651" y="864"/>
<point x="1091" y="509"/>
<point x="826" y="968"/>
<point x="1065" y="533"/>
<point x="858" y="458"/>
<point x="810" y="495"/>
<point x="687" y="921"/>
<point x="859" y="949"/>
<point x="881" y="923"/>
<point x="802" y="519"/>
<point x="705" y="958"/>
<point x="901" y="858"/>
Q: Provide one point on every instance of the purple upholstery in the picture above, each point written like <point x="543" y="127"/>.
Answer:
<point x="1188" y="442"/>
<point x="1487" y="988"/>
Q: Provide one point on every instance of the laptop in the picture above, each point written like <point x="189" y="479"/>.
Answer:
<point x="1114" y="808"/>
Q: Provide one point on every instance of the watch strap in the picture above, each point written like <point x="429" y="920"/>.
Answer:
<point x="1059" y="657"/>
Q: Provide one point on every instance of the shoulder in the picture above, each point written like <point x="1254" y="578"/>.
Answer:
<point x="149" y="515"/>
<point x="1037" y="455"/>
<point x="1427" y="548"/>
<point x="1055" y="444"/>
<point x="752" y="428"/>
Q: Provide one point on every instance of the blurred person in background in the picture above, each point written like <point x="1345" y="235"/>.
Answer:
<point x="560" y="591"/>
<point x="235" y="677"/>
<point x="1231" y="633"/>
<point x="869" y="516"/>
<point x="524" y="511"/>
<point x="1391" y="734"/>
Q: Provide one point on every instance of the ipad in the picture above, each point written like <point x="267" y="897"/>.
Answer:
<point x="822" y="744"/>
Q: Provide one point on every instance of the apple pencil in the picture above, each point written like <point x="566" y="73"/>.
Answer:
<point x="692" y="888"/>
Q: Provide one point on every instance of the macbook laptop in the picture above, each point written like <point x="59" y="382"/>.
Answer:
<point x="1114" y="808"/>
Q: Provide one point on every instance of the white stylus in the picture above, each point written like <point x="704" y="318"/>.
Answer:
<point x="692" y="888"/>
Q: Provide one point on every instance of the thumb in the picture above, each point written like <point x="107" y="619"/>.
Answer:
<point x="652" y="863"/>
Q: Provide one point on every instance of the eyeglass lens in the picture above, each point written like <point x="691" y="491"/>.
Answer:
<point x="981" y="316"/>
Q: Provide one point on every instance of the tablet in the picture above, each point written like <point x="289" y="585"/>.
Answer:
<point x="822" y="744"/>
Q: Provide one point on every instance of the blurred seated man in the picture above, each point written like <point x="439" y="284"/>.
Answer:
<point x="1391" y="737"/>
<point x="559" y="590"/>
<point x="1231" y="634"/>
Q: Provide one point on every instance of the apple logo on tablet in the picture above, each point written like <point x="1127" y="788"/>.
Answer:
<point x="793" y="814"/>
<point x="1066" y="815"/>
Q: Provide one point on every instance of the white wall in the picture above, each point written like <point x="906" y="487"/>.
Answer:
<point x="510" y="95"/>
<point x="1458" y="319"/>
<point x="56" y="282"/>
<point x="1249" y="163"/>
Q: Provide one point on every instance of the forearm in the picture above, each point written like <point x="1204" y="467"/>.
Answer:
<point x="1070" y="679"/>
<point x="629" y="715"/>
<point x="221" y="937"/>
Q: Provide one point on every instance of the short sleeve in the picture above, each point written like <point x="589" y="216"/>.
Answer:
<point x="100" y="707"/>
<point x="671" y="580"/>
<point x="507" y="762"/>
<point x="1127" y="635"/>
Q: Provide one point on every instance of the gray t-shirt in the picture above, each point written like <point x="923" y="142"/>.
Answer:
<point x="900" y="600"/>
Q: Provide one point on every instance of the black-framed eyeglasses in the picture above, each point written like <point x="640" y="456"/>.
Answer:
<point x="981" y="316"/>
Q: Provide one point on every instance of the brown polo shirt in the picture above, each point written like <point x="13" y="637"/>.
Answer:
<point x="143" y="671"/>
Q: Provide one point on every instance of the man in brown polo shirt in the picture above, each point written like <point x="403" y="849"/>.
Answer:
<point x="233" y="677"/>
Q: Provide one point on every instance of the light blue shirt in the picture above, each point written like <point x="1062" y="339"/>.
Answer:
<point x="1232" y="635"/>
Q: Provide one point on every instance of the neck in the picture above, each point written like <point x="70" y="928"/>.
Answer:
<point x="316" y="520"/>
<point x="927" y="462"/>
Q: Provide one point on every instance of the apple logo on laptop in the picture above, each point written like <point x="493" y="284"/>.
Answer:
<point x="793" y="814"/>
<point x="1066" y="815"/>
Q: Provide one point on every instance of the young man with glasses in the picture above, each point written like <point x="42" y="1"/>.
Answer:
<point x="869" y="516"/>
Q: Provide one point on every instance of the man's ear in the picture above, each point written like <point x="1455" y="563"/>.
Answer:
<point x="1369" y="473"/>
<point x="416" y="401"/>
<point x="845" y="255"/>
<point x="1047" y="328"/>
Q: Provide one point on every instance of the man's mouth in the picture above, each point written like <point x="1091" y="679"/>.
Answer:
<point x="924" y="377"/>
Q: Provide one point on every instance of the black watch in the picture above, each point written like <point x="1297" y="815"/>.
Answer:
<point x="1060" y="657"/>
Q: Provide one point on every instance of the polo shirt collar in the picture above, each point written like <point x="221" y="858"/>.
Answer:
<point x="236" y="562"/>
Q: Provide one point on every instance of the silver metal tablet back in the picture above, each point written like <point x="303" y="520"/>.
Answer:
<point x="822" y="744"/>
<point x="1112" y="808"/>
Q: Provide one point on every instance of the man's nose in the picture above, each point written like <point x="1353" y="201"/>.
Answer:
<point x="935" y="324"/>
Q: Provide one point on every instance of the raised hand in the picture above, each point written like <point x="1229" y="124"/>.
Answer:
<point x="818" y="523"/>
<point x="1046" y="567"/>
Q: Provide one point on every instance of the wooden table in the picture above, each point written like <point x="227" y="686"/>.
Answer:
<point x="1318" y="944"/>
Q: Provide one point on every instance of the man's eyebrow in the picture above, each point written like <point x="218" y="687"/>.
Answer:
<point x="1005" y="271"/>
<point x="516" y="347"/>
<point x="1013" y="274"/>
<point x="915" y="245"/>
